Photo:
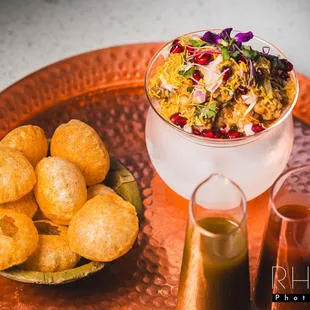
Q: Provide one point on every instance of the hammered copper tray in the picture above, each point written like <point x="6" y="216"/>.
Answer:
<point x="105" y="89"/>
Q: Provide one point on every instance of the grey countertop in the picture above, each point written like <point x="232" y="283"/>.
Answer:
<point x="35" y="33"/>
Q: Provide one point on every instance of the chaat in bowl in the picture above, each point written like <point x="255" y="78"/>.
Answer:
<point x="218" y="85"/>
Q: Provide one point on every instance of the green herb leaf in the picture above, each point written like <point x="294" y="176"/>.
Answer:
<point x="235" y="53"/>
<point x="211" y="110"/>
<point x="195" y="43"/>
<point x="225" y="53"/>
<point x="189" y="89"/>
<point x="249" y="53"/>
<point x="188" y="73"/>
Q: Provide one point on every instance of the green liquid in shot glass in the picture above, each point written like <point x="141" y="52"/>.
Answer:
<point x="221" y="267"/>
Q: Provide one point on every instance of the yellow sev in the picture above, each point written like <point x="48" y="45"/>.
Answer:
<point x="180" y="100"/>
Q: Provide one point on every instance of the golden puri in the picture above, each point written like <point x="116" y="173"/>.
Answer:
<point x="29" y="140"/>
<point x="104" y="229"/>
<point x="81" y="145"/>
<point x="53" y="252"/>
<point x="98" y="189"/>
<point x="17" y="176"/>
<point x="60" y="190"/>
<point x="18" y="238"/>
<point x="26" y="205"/>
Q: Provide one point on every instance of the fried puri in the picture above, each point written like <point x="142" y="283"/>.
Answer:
<point x="18" y="238"/>
<point x="98" y="189"/>
<point x="29" y="140"/>
<point x="53" y="252"/>
<point x="17" y="176"/>
<point x="26" y="205"/>
<point x="81" y="145"/>
<point x="104" y="229"/>
<point x="60" y="190"/>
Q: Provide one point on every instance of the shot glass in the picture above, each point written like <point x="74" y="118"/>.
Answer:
<point x="283" y="276"/>
<point x="215" y="267"/>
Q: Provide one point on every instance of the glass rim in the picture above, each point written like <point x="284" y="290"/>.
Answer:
<point x="243" y="202"/>
<point x="274" y="191"/>
<point x="223" y="142"/>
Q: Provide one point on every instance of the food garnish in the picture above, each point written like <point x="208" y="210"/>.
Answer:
<point x="216" y="86"/>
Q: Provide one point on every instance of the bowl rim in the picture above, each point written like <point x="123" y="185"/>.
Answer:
<point x="222" y="142"/>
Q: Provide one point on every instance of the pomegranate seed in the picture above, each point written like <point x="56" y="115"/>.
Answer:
<point x="207" y="133"/>
<point x="178" y="120"/>
<point x="257" y="128"/>
<point x="174" y="117"/>
<point x="227" y="74"/>
<point x="196" y="132"/>
<point x="233" y="134"/>
<point x="181" y="121"/>
<point x="203" y="59"/>
<point x="190" y="50"/>
<point x="177" y="48"/>
<point x="284" y="76"/>
<point x="197" y="75"/>
<point x="217" y="134"/>
<point x="288" y="66"/>
<point x="242" y="90"/>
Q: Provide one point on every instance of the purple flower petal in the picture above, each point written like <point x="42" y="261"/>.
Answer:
<point x="225" y="34"/>
<point x="211" y="38"/>
<point x="244" y="36"/>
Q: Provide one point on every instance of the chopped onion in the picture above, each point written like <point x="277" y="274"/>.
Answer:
<point x="248" y="129"/>
<point x="199" y="96"/>
<point x="187" y="67"/>
<point x="212" y="74"/>
<point x="166" y="85"/>
<point x="165" y="53"/>
<point x="250" y="100"/>
<point x="188" y="128"/>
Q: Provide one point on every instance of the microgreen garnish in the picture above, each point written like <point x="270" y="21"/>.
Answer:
<point x="235" y="54"/>
<point x="249" y="53"/>
<point x="187" y="73"/>
<point x="225" y="53"/>
<point x="196" y="43"/>
<point x="210" y="111"/>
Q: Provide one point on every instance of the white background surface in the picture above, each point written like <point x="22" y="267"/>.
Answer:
<point x="35" y="33"/>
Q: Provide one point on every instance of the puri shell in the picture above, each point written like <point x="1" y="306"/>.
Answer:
<point x="18" y="238"/>
<point x="104" y="229"/>
<point x="26" y="205"/>
<point x="17" y="176"/>
<point x="53" y="252"/>
<point x="81" y="145"/>
<point x="29" y="140"/>
<point x="60" y="190"/>
<point x="98" y="189"/>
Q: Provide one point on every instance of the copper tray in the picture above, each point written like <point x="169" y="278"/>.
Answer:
<point x="105" y="89"/>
